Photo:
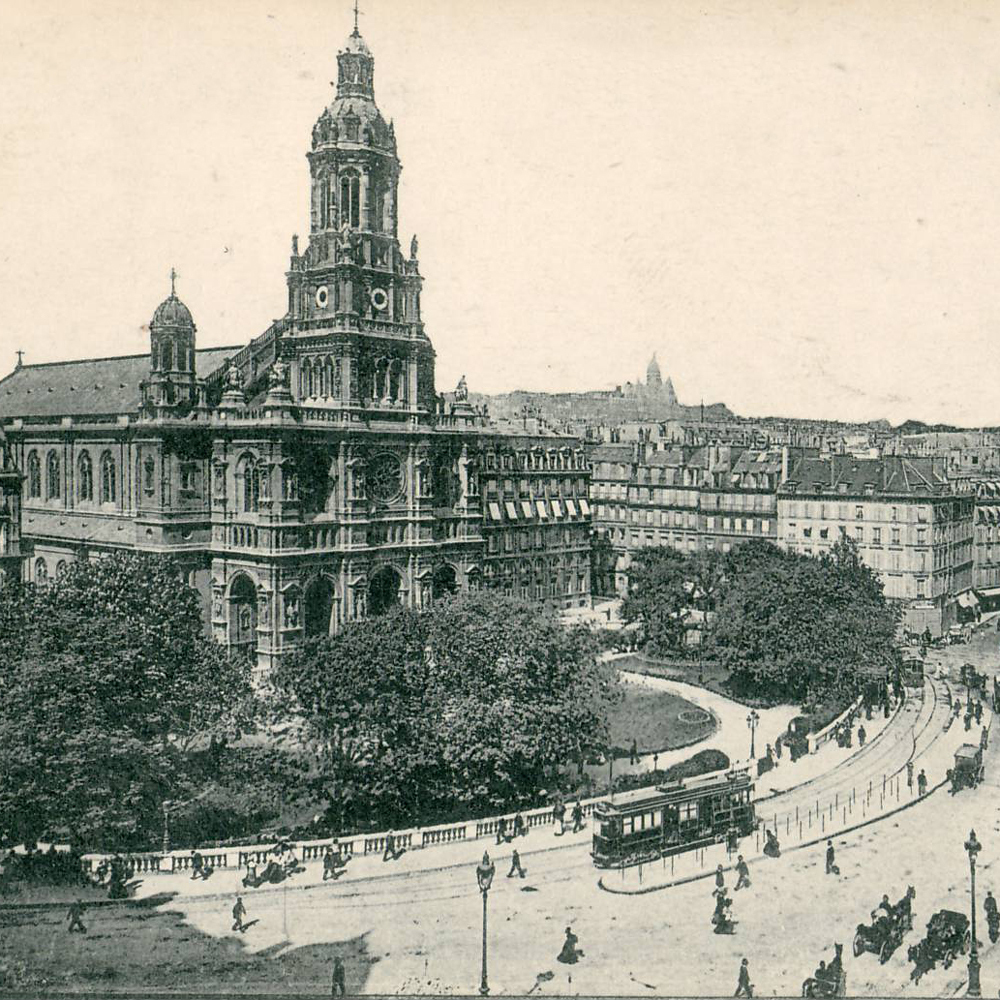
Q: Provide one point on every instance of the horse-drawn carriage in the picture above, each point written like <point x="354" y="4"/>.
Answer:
<point x="886" y="931"/>
<point x="828" y="980"/>
<point x="968" y="769"/>
<point x="948" y="936"/>
<point x="973" y="680"/>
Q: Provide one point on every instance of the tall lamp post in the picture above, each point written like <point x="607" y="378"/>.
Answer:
<point x="973" y="846"/>
<point x="485" y="871"/>
<point x="166" y="825"/>
<point x="752" y="719"/>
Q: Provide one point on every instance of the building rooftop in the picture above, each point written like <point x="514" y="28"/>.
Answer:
<point x="846" y="474"/>
<point x="88" y="387"/>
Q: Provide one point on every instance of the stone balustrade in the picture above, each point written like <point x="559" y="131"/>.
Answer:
<point x="416" y="838"/>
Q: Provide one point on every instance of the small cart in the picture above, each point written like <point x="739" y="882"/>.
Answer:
<point x="968" y="769"/>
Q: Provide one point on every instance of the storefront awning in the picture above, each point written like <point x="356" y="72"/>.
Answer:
<point x="585" y="507"/>
<point x="543" y="511"/>
<point x="988" y="593"/>
<point x="571" y="507"/>
<point x="968" y="599"/>
<point x="511" y="509"/>
<point x="529" y="511"/>
<point x="556" y="508"/>
<point x="495" y="511"/>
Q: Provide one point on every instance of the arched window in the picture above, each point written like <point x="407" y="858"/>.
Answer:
<point x="53" y="486"/>
<point x="34" y="476"/>
<point x="168" y="356"/>
<point x="86" y="476"/>
<point x="41" y="571"/>
<point x="109" y="485"/>
<point x="305" y="371"/>
<point x="350" y="199"/>
<point x="247" y="472"/>
<point x="60" y="569"/>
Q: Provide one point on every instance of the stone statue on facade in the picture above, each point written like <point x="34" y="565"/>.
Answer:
<point x="233" y="379"/>
<point x="278" y="375"/>
<point x="462" y="391"/>
<point x="414" y="246"/>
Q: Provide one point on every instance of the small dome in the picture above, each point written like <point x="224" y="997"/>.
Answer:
<point x="172" y="312"/>
<point x="355" y="43"/>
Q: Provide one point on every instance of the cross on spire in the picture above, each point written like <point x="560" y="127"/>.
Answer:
<point x="173" y="278"/>
<point x="20" y="358"/>
<point x="355" y="16"/>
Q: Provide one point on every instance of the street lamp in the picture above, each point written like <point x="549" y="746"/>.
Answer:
<point x="166" y="825"/>
<point x="485" y="871"/>
<point x="752" y="719"/>
<point x="973" y="846"/>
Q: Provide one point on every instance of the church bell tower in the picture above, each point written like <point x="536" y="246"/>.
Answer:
<point x="353" y="289"/>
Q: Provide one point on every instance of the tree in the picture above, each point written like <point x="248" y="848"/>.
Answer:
<point x="660" y="598"/>
<point x="473" y="703"/>
<point x="112" y="686"/>
<point x="793" y="626"/>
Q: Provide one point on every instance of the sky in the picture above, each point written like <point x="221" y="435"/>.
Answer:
<point x="793" y="204"/>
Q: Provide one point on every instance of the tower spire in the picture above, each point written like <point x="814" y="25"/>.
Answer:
<point x="173" y="279"/>
<point x="356" y="17"/>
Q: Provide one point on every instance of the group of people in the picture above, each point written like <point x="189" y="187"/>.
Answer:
<point x="506" y="832"/>
<point x="559" y="815"/>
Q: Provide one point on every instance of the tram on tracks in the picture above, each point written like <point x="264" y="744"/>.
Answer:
<point x="651" y="823"/>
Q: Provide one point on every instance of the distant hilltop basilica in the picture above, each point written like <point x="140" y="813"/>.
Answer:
<point x="312" y="475"/>
<point x="655" y="392"/>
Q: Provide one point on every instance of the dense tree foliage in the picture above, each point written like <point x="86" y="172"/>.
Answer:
<point x="659" y="599"/>
<point x="114" y="683"/>
<point x="787" y="626"/>
<point x="472" y="704"/>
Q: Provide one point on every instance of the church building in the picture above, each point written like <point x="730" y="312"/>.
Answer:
<point x="315" y="475"/>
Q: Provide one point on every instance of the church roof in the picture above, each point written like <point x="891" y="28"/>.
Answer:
<point x="172" y="312"/>
<point x="355" y="43"/>
<point x="88" y="387"/>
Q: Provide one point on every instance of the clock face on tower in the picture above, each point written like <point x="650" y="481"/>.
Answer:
<point x="379" y="298"/>
<point x="385" y="477"/>
<point x="322" y="296"/>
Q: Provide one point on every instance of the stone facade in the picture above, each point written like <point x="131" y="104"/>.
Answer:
<point x="313" y="476"/>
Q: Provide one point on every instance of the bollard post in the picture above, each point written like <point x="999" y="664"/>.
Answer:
<point x="810" y="819"/>
<point x="800" y="829"/>
<point x="845" y="815"/>
<point x="823" y="821"/>
<point x="787" y="819"/>
<point x="796" y="814"/>
<point x="671" y="864"/>
<point x="837" y="800"/>
<point x="831" y="810"/>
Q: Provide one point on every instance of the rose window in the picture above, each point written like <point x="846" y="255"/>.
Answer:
<point x="385" y="477"/>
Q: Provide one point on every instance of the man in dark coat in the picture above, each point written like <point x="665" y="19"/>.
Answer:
<point x="338" y="987"/>
<point x="720" y="880"/>
<point x="501" y="829"/>
<point x="862" y="735"/>
<point x="744" y="873"/>
<point x="570" y="954"/>
<point x="515" y="866"/>
<point x="909" y="774"/>
<point x="559" y="815"/>
<point x="921" y="783"/>
<point x="239" y="912"/>
<point x="633" y="757"/>
<point x="577" y="815"/>
<point x="744" y="988"/>
<point x="831" y="866"/>
<point x="519" y="826"/>
<point x="196" y="864"/>
<point x="76" y="917"/>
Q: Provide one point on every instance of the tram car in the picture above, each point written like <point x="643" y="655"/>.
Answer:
<point x="685" y="815"/>
<point x="912" y="669"/>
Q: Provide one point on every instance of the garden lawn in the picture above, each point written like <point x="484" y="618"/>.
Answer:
<point x="128" y="944"/>
<point x="652" y="719"/>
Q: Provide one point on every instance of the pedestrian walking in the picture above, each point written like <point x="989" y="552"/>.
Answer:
<point x="332" y="864"/>
<point x="633" y="757"/>
<point x="519" y="827"/>
<point x="979" y="713"/>
<point x="909" y="774"/>
<point x="744" y="874"/>
<point x="720" y="881"/>
<point x="577" y="815"/>
<point x="861" y="735"/>
<point x="338" y="988"/>
<point x="570" y="953"/>
<point x="239" y="912"/>
<point x="515" y="866"/>
<point x="501" y="829"/>
<point x="559" y="815"/>
<point x="831" y="866"/>
<point x="197" y="861"/>
<point x="391" y="853"/>
<point x="75" y="916"/>
<point x="777" y="748"/>
<point x="744" y="988"/>
<point x="656" y="761"/>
